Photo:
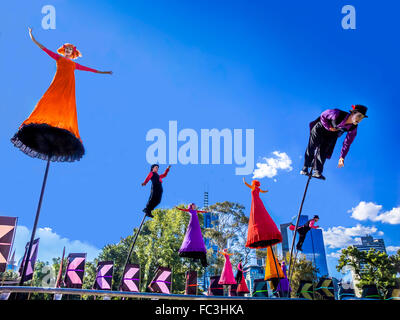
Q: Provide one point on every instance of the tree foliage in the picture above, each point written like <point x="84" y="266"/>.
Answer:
<point x="231" y="228"/>
<point x="371" y="267"/>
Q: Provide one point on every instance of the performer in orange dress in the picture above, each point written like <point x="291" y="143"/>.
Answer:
<point x="51" y="131"/>
<point x="262" y="230"/>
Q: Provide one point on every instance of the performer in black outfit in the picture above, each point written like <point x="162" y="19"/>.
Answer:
<point x="303" y="230"/>
<point x="324" y="132"/>
<point x="156" y="188"/>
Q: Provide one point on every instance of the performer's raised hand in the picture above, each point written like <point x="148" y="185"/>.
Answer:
<point x="33" y="38"/>
<point x="105" y="72"/>
<point x="341" y="163"/>
<point x="143" y="184"/>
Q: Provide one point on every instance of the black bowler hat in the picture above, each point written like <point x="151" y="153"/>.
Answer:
<point x="360" y="108"/>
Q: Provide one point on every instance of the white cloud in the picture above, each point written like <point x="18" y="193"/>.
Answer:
<point x="391" y="217"/>
<point x="335" y="254"/>
<point x="393" y="249"/>
<point x="371" y="211"/>
<point x="341" y="237"/>
<point x="51" y="244"/>
<point x="270" y="167"/>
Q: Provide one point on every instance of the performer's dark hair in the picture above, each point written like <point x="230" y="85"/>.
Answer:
<point x="316" y="217"/>
<point x="154" y="165"/>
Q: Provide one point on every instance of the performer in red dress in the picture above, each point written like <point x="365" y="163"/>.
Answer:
<point x="240" y="279"/>
<point x="262" y="230"/>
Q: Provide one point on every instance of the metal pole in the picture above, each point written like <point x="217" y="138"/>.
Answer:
<point x="315" y="265"/>
<point x="28" y="254"/>
<point x="131" y="249"/>
<point x="290" y="269"/>
<point x="277" y="272"/>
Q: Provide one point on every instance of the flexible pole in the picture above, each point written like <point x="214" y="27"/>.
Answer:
<point x="290" y="269"/>
<point x="315" y="265"/>
<point x="277" y="272"/>
<point x="132" y="246"/>
<point x="28" y="254"/>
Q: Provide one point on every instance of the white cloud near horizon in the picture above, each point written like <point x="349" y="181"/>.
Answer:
<point x="341" y="237"/>
<point x="51" y="245"/>
<point x="393" y="249"/>
<point x="371" y="211"/>
<point x="269" y="168"/>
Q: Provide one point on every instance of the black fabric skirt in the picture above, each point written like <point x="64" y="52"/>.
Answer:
<point x="47" y="142"/>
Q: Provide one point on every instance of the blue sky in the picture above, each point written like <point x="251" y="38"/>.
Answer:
<point x="265" y="65"/>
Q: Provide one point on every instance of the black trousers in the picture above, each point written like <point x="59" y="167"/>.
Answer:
<point x="320" y="145"/>
<point x="302" y="236"/>
<point x="154" y="199"/>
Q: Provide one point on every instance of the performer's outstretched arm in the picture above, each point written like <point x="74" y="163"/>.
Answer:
<point x="201" y="211"/>
<point x="165" y="173"/>
<point x="147" y="178"/>
<point x="311" y="225"/>
<point x="186" y="210"/>
<point x="263" y="191"/>
<point x="83" y="68"/>
<point x="52" y="54"/>
<point x="244" y="180"/>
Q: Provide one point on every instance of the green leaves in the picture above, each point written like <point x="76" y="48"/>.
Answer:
<point x="371" y="267"/>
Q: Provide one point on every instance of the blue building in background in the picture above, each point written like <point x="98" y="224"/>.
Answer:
<point x="313" y="247"/>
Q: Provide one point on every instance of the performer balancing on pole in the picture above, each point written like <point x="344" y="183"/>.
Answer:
<point x="324" y="132"/>
<point x="240" y="280"/>
<point x="262" y="230"/>
<point x="51" y="131"/>
<point x="193" y="244"/>
<point x="156" y="188"/>
<point x="303" y="230"/>
<point x="227" y="277"/>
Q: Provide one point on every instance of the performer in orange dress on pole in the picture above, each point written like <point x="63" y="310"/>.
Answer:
<point x="51" y="131"/>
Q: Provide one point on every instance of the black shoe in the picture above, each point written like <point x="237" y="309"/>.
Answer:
<point x="148" y="214"/>
<point x="304" y="171"/>
<point x="316" y="174"/>
<point x="300" y="249"/>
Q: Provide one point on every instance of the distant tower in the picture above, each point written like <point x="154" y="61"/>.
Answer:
<point x="205" y="199"/>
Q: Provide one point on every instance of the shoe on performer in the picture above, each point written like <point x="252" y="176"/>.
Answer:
<point x="316" y="174"/>
<point x="304" y="171"/>
<point x="148" y="214"/>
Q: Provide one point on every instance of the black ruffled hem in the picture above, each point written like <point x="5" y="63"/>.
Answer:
<point x="195" y="255"/>
<point x="48" y="143"/>
<point x="263" y="244"/>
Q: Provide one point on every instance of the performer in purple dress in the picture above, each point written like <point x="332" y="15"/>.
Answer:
<point x="284" y="285"/>
<point x="193" y="243"/>
<point x="324" y="133"/>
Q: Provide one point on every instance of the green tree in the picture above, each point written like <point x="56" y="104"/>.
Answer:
<point x="371" y="267"/>
<point x="231" y="227"/>
<point x="303" y="270"/>
<point x="157" y="245"/>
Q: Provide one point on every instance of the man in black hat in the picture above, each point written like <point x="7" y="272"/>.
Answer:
<point x="324" y="132"/>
